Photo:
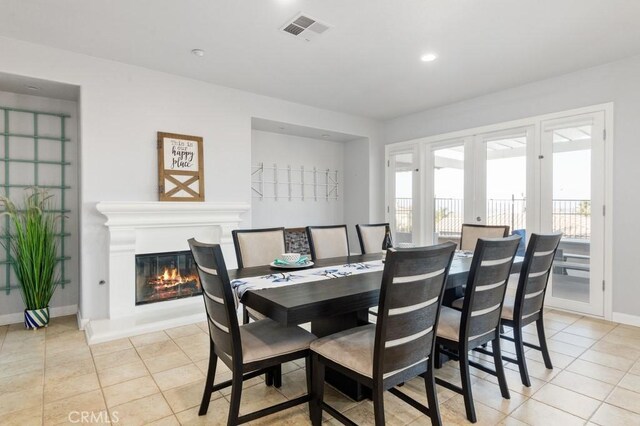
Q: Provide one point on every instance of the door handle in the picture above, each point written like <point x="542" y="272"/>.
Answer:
<point x="478" y="219"/>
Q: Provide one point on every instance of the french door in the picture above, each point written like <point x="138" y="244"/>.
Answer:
<point x="403" y="203"/>
<point x="572" y="201"/>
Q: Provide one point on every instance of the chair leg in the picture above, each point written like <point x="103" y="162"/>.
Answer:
<point x="522" y="361"/>
<point x="268" y="378"/>
<point x="432" y="396"/>
<point x="378" y="404"/>
<point x="236" y="394"/>
<point x="465" y="378"/>
<point x="497" y="360"/>
<point x="436" y="356"/>
<point x="208" y="384"/>
<point x="277" y="376"/>
<point x="317" y="394"/>
<point x="308" y="370"/>
<point x="245" y="315"/>
<point x="543" y="344"/>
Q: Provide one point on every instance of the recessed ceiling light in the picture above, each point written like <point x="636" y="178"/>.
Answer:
<point x="34" y="88"/>
<point x="429" y="57"/>
<point x="325" y="136"/>
<point x="198" y="52"/>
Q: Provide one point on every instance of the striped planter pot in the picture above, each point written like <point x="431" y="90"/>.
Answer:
<point x="36" y="318"/>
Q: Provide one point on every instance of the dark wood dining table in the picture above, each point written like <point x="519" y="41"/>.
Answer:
<point x="337" y="304"/>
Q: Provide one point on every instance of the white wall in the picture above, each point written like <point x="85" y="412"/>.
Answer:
<point x="295" y="151"/>
<point x="11" y="305"/>
<point x="618" y="82"/>
<point x="121" y="109"/>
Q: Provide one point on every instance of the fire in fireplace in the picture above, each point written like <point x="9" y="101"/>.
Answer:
<point x="166" y="276"/>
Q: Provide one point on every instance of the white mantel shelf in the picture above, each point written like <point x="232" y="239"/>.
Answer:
<point x="153" y="227"/>
<point x="157" y="213"/>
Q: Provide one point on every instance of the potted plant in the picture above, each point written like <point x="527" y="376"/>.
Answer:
<point x="33" y="251"/>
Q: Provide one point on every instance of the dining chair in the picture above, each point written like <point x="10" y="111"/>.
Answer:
<point x="401" y="345"/>
<point x="257" y="247"/>
<point x="527" y="305"/>
<point x="470" y="233"/>
<point x="296" y="241"/>
<point x="248" y="350"/>
<point x="371" y="236"/>
<point x="328" y="241"/>
<point x="479" y="321"/>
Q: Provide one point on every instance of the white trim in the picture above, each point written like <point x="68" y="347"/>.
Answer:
<point x="414" y="278"/>
<point x="56" y="311"/>
<point x="496" y="262"/>
<point x="82" y="322"/>
<point x="626" y="319"/>
<point x="403" y="340"/>
<point x="411" y="308"/>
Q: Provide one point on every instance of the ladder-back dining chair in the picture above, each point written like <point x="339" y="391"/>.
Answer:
<point x="527" y="305"/>
<point x="479" y="322"/>
<point x="328" y="241"/>
<point x="371" y="236"/>
<point x="470" y="233"/>
<point x="401" y="345"/>
<point x="248" y="350"/>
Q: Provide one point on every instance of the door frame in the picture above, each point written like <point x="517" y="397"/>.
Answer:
<point x="421" y="145"/>
<point x="417" y="200"/>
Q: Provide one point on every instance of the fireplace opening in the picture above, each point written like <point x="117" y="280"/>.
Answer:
<point x="166" y="276"/>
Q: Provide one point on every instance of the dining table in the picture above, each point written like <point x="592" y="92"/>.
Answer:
<point x="336" y="304"/>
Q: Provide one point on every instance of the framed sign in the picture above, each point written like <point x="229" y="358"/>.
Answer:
<point x="180" y="167"/>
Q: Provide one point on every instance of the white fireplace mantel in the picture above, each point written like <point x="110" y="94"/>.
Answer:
<point x="152" y="227"/>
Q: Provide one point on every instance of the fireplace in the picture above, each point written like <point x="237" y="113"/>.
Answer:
<point x="166" y="276"/>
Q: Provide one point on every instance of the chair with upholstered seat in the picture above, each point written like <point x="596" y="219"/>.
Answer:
<point x="479" y="322"/>
<point x="248" y="350"/>
<point x="371" y="236"/>
<point x="470" y="233"/>
<point x="527" y="305"/>
<point x="328" y="241"/>
<point x="401" y="345"/>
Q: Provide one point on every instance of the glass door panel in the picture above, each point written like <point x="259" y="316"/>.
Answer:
<point x="403" y="204"/>
<point x="571" y="191"/>
<point x="448" y="193"/>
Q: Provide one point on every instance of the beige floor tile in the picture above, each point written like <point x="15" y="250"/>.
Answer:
<point x="165" y="421"/>
<point x="69" y="369"/>
<point x="294" y="384"/>
<point x="187" y="396"/>
<point x="20" y="400"/>
<point x="216" y="415"/>
<point x="152" y="350"/>
<point x="564" y="317"/>
<point x="536" y="413"/>
<point x="177" y="376"/>
<point x="453" y="412"/>
<point x="195" y="339"/>
<point x="635" y="369"/>
<point x="489" y="394"/>
<point x="416" y="390"/>
<point x="122" y="373"/>
<point x="109" y="347"/>
<point x="590" y="331"/>
<point x="565" y="348"/>
<point x="288" y="367"/>
<point x="633" y="342"/>
<point x="567" y="400"/>
<point x="596" y="371"/>
<point x="515" y="383"/>
<point x="573" y="339"/>
<point x="58" y="412"/>
<point x="167" y="361"/>
<point x="631" y="382"/>
<point x="128" y="391"/>
<point x="511" y="421"/>
<point x="204" y="326"/>
<point x="582" y="384"/>
<point x="21" y="366"/>
<point x="65" y="387"/>
<point x="618" y="349"/>
<point x="197" y="351"/>
<point x="610" y="415"/>
<point x="290" y="417"/>
<point x="114" y="359"/>
<point x="18" y="382"/>
<point x="558" y="360"/>
<point x="184" y="331"/>
<point x="73" y="353"/>
<point x="26" y="417"/>
<point x="148" y="338"/>
<point x="142" y="411"/>
<point x="258" y="397"/>
<point x="396" y="412"/>
<point x="627" y="331"/>
<point x="608" y="360"/>
<point x="626" y="399"/>
<point x="62" y="343"/>
<point x="537" y="369"/>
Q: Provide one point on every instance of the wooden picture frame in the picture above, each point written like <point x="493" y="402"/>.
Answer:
<point x="180" y="167"/>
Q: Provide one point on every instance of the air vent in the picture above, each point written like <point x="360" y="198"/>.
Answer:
<point x="304" y="27"/>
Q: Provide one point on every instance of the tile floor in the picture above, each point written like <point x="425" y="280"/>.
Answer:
<point x="53" y="377"/>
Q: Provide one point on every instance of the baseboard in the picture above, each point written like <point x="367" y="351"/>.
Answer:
<point x="57" y="311"/>
<point x="82" y="322"/>
<point x="626" y="319"/>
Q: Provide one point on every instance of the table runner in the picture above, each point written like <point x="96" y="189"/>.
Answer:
<point x="283" y="278"/>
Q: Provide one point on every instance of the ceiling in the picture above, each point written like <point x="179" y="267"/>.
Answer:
<point x="36" y="87"/>
<point x="301" y="131"/>
<point x="367" y="63"/>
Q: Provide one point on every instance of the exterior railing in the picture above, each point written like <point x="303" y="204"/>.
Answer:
<point x="571" y="217"/>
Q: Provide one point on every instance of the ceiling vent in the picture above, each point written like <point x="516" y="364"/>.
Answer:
<point x="304" y="27"/>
